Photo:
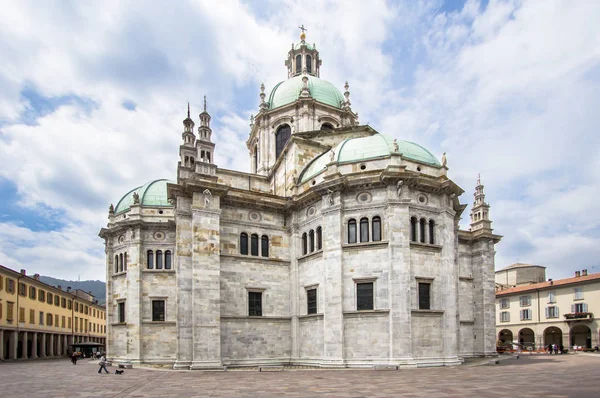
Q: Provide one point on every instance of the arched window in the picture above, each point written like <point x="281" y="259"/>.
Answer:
<point x="364" y="229"/>
<point x="308" y="64"/>
<point x="376" y="225"/>
<point x="422" y="230"/>
<point x="319" y="238"/>
<point x="352" y="230"/>
<point x="121" y="262"/>
<point x="125" y="262"/>
<point x="254" y="244"/>
<point x="311" y="240"/>
<point x="255" y="159"/>
<point x="281" y="138"/>
<point x="168" y="259"/>
<point x="264" y="246"/>
<point x="413" y="229"/>
<point x="116" y="263"/>
<point x="298" y="63"/>
<point x="159" y="262"/>
<point x="326" y="126"/>
<point x="431" y="231"/>
<point x="304" y="238"/>
<point x="243" y="243"/>
<point x="150" y="259"/>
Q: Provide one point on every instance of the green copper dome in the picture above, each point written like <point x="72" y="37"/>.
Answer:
<point x="288" y="91"/>
<point x="366" y="148"/>
<point x="153" y="193"/>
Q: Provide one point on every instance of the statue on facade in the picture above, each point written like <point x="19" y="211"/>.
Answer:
<point x="444" y="160"/>
<point x="396" y="147"/>
<point x="136" y="198"/>
<point x="111" y="209"/>
<point x="399" y="185"/>
<point x="207" y="196"/>
<point x="331" y="155"/>
<point x="330" y="196"/>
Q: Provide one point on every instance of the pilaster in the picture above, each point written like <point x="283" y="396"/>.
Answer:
<point x="183" y="265"/>
<point x="24" y="346"/>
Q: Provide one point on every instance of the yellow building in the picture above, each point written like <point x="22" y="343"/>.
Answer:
<point x="39" y="320"/>
<point x="557" y="312"/>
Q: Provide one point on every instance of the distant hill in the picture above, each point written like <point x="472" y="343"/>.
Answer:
<point x="98" y="288"/>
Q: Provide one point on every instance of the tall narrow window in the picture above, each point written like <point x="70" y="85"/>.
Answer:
<point x="364" y="229"/>
<point x="158" y="310"/>
<point x="431" y="231"/>
<point x="352" y="231"/>
<point x="254" y="245"/>
<point x="281" y="138"/>
<point x="264" y="246"/>
<point x="122" y="312"/>
<point x="413" y="229"/>
<point x="304" y="243"/>
<point x="319" y="238"/>
<point x="376" y="222"/>
<point x="311" y="240"/>
<point x="255" y="159"/>
<point x="243" y="243"/>
<point x="364" y="296"/>
<point x="255" y="303"/>
<point x="116" y="263"/>
<point x="308" y="64"/>
<point x="424" y="301"/>
<point x="159" y="259"/>
<point x="422" y="230"/>
<point x="125" y="262"/>
<point x="150" y="259"/>
<point x="311" y="300"/>
<point x="168" y="259"/>
<point x="298" y="63"/>
<point x="121" y="262"/>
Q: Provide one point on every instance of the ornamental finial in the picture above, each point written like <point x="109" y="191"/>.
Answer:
<point x="302" y="35"/>
<point x="205" y="103"/>
<point x="188" y="110"/>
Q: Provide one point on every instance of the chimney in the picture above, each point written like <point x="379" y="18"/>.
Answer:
<point x="59" y="287"/>
<point x="551" y="281"/>
<point x="36" y="277"/>
<point x="23" y="272"/>
<point x="577" y="274"/>
<point x="584" y="272"/>
<point x="68" y="288"/>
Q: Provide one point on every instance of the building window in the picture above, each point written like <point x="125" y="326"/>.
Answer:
<point x="255" y="303"/>
<point x="311" y="240"/>
<point x="424" y="296"/>
<point x="10" y="285"/>
<point x="551" y="297"/>
<point x="254" y="245"/>
<point x="10" y="308"/>
<point x="76" y="324"/>
<point x="364" y="229"/>
<point x="422" y="230"/>
<point x="526" y="315"/>
<point x="41" y="295"/>
<point x="121" y="306"/>
<point x="116" y="263"/>
<point x="282" y="137"/>
<point x="311" y="300"/>
<point x="579" y="307"/>
<point x="376" y="227"/>
<point x="168" y="259"/>
<point x="578" y="293"/>
<point x="298" y="63"/>
<point x="57" y="301"/>
<point x="41" y="318"/>
<point x="1" y="284"/>
<point x="69" y="304"/>
<point x="364" y="296"/>
<point x="121" y="262"/>
<point x="413" y="229"/>
<point x="31" y="316"/>
<point x="158" y="310"/>
<point x="326" y="126"/>
<point x="86" y="310"/>
<point x="49" y="319"/>
<point x="56" y="320"/>
<point x="352" y="231"/>
<point x="150" y="259"/>
<point x="264" y="246"/>
<point x="431" y="231"/>
<point x="319" y="238"/>
<point x="159" y="259"/>
<point x="552" y="312"/>
<point x="525" y="300"/>
<point x="308" y="64"/>
<point x="505" y="316"/>
<point x="125" y="262"/>
<point x="22" y="289"/>
<point x="32" y="292"/>
<point x="49" y="298"/>
<point x="243" y="243"/>
<point x="62" y="323"/>
<point x="22" y="314"/>
<point x="69" y="319"/>
<point x="304" y="243"/>
<point x="504" y="303"/>
<point x="63" y="302"/>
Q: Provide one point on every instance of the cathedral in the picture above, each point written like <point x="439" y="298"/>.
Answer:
<point x="341" y="247"/>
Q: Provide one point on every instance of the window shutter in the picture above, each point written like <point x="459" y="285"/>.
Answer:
<point x="522" y="314"/>
<point x="547" y="312"/>
<point x="556" y="311"/>
<point x="572" y="307"/>
<point x="585" y="307"/>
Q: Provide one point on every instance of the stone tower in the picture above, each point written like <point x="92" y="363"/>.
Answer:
<point x="480" y="213"/>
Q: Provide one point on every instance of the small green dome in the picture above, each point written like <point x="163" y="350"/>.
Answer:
<point x="303" y="43"/>
<point x="153" y="193"/>
<point x="288" y="91"/>
<point x="376" y="146"/>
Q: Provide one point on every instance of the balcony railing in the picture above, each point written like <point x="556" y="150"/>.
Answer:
<point x="579" y="316"/>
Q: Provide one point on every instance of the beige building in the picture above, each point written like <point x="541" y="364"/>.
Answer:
<point x="39" y="320"/>
<point x="551" y="312"/>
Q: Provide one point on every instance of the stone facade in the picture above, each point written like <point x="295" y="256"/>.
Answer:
<point x="340" y="249"/>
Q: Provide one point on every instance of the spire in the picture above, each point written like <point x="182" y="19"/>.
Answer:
<point x="188" y="123"/>
<point x="480" y="212"/>
<point x="204" y="131"/>
<point x="263" y="104"/>
<point x="205" y="103"/>
<point x="346" y="103"/>
<point x="188" y="110"/>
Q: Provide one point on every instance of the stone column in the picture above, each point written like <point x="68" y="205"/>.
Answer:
<point x="1" y="345"/>
<point x="65" y="345"/>
<point x="206" y="281"/>
<point x="294" y="296"/>
<point x="50" y="352"/>
<point x="12" y="344"/>
<point x="24" y="346"/>
<point x="34" y="353"/>
<point x="42" y="353"/>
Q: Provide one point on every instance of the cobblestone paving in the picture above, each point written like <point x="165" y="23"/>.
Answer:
<point x="574" y="375"/>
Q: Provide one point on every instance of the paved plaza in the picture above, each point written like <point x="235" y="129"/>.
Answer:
<point x="575" y="375"/>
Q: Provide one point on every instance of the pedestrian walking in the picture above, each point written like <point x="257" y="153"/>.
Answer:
<point x="74" y="358"/>
<point x="102" y="364"/>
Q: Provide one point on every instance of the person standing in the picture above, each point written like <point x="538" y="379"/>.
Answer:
<point x="74" y="358"/>
<point x="102" y="364"/>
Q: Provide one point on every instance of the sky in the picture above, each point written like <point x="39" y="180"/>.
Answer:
<point x="93" y="95"/>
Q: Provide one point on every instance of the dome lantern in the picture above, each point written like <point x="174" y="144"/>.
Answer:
<point x="303" y="58"/>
